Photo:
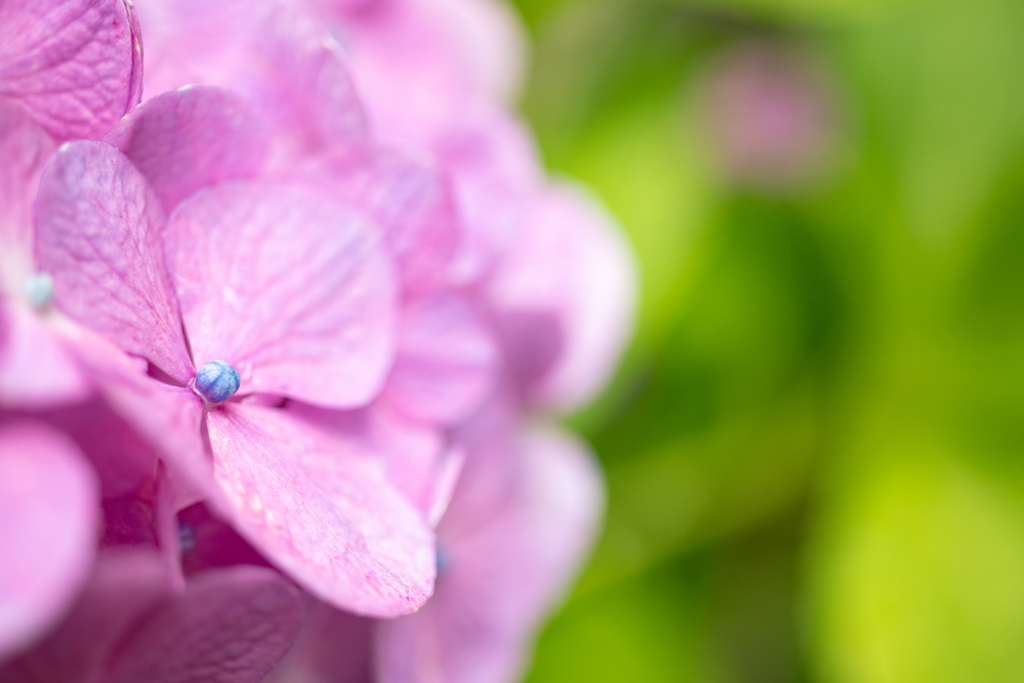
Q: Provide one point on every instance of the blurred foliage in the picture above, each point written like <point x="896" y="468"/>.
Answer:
<point x="815" y="449"/>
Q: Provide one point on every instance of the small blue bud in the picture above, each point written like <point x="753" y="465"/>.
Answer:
<point x="217" y="381"/>
<point x="38" y="290"/>
<point x="187" y="537"/>
<point x="444" y="562"/>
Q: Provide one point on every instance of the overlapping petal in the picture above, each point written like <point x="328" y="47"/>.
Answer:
<point x="501" y="579"/>
<point x="188" y="138"/>
<point x="572" y="269"/>
<point x="230" y="625"/>
<point x="409" y="199"/>
<point x="99" y="234"/>
<point x="49" y="518"/>
<point x="292" y="289"/>
<point x="24" y="148"/>
<point x="36" y="369"/>
<point x="321" y="510"/>
<point x="447" y="360"/>
<point x="269" y="51"/>
<point x="166" y="417"/>
<point x="74" y="65"/>
<point x="124" y="586"/>
<point x="333" y="647"/>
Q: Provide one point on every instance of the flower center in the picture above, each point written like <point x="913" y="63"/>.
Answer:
<point x="217" y="381"/>
<point x="38" y="290"/>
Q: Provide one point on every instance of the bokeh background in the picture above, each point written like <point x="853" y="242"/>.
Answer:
<point x="815" y="448"/>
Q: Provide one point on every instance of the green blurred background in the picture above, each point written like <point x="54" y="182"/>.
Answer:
<point x="815" y="449"/>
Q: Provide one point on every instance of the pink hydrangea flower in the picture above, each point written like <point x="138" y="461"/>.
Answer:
<point x="290" y="293"/>
<point x="340" y="310"/>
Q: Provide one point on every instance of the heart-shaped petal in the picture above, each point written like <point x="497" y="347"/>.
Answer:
<point x="99" y="234"/>
<point x="75" y="65"/>
<point x="321" y="510"/>
<point x="292" y="289"/>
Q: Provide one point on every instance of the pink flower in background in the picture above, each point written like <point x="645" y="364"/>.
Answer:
<point x="771" y="113"/>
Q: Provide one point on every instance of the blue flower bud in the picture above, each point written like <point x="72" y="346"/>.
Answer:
<point x="187" y="537"/>
<point x="217" y="381"/>
<point x="38" y="290"/>
<point x="443" y="560"/>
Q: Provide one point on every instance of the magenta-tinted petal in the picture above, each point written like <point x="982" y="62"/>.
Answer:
<point x="99" y="234"/>
<point x="411" y="202"/>
<point x="212" y="542"/>
<point x="271" y="52"/>
<point x="406" y="68"/>
<point x="496" y="174"/>
<point x="570" y="277"/>
<point x="125" y="585"/>
<point x="230" y="626"/>
<point x="321" y="510"/>
<point x="36" y="369"/>
<point x="491" y="41"/>
<point x="24" y="150"/>
<point x="49" y="505"/>
<point x="332" y="647"/>
<point x="289" y="287"/>
<point x="166" y="417"/>
<point x="188" y="138"/>
<point x="501" y="580"/>
<point x="446" y="362"/>
<point x="73" y="64"/>
<point x="419" y="461"/>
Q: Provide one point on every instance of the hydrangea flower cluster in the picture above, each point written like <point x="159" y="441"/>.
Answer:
<point x="287" y="305"/>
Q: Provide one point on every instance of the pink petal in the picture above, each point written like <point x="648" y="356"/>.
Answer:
<point x="230" y="626"/>
<point x="145" y="518"/>
<point x="490" y="468"/>
<point x="496" y="173"/>
<point x="270" y="52"/>
<point x="24" y="150"/>
<point x="123" y="460"/>
<point x="166" y="417"/>
<point x="49" y="505"/>
<point x="332" y="647"/>
<point x="502" y="579"/>
<point x="124" y="587"/>
<point x="491" y="41"/>
<point x="289" y="287"/>
<point x="446" y="362"/>
<point x="189" y="138"/>
<point x="215" y="543"/>
<point x="321" y="510"/>
<point x="419" y="461"/>
<point x="407" y="69"/>
<point x="99" y="234"/>
<point x="75" y="65"/>
<point x="571" y="274"/>
<point x="409" y="200"/>
<point x="36" y="369"/>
